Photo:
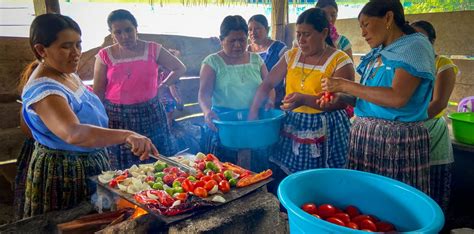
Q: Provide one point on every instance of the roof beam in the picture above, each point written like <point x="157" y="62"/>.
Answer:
<point x="46" y="6"/>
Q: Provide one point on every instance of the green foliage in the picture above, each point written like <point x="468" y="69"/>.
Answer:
<point x="430" y="6"/>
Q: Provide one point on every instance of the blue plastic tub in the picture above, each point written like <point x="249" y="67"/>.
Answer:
<point x="409" y="209"/>
<point x="238" y="133"/>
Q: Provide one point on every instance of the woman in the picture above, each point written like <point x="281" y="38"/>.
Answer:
<point x="270" y="50"/>
<point x="66" y="120"/>
<point x="340" y="41"/>
<point x="312" y="136"/>
<point x="441" y="150"/>
<point x="388" y="136"/>
<point x="228" y="79"/>
<point x="126" y="80"/>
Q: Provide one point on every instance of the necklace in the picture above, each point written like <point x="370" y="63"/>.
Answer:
<point x="305" y="75"/>
<point x="128" y="69"/>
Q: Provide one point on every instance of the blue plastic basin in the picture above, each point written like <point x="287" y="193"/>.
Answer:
<point x="409" y="209"/>
<point x="238" y="133"/>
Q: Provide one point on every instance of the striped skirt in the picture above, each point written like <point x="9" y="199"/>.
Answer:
<point x="440" y="184"/>
<point x="394" y="149"/>
<point x="147" y="118"/>
<point x="57" y="179"/>
<point x="22" y="163"/>
<point x="311" y="141"/>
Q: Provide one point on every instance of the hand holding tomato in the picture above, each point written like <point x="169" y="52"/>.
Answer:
<point x="333" y="84"/>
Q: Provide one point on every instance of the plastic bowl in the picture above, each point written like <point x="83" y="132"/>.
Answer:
<point x="238" y="133"/>
<point x="463" y="126"/>
<point x="409" y="209"/>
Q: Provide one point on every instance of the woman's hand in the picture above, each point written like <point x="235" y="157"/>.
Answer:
<point x="333" y="84"/>
<point x="141" y="146"/>
<point x="208" y="117"/>
<point x="292" y="101"/>
<point x="328" y="100"/>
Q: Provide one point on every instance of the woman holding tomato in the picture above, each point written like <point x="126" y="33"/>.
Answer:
<point x="388" y="136"/>
<point x="312" y="136"/>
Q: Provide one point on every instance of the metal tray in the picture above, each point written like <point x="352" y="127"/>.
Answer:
<point x="233" y="194"/>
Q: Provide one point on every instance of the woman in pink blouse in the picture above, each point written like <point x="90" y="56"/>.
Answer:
<point x="126" y="80"/>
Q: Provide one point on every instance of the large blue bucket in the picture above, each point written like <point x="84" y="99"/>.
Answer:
<point x="238" y="133"/>
<point x="409" y="209"/>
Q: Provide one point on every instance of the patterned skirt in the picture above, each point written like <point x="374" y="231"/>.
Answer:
<point x="57" y="179"/>
<point x="394" y="149"/>
<point x="440" y="184"/>
<point x="22" y="164"/>
<point x="311" y="141"/>
<point x="147" y="118"/>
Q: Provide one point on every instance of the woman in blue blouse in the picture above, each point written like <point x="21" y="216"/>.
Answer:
<point x="67" y="121"/>
<point x="388" y="136"/>
<point x="270" y="50"/>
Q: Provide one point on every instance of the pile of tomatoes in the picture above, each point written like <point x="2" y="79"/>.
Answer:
<point x="350" y="217"/>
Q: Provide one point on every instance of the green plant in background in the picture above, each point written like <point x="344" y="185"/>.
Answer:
<point x="430" y="6"/>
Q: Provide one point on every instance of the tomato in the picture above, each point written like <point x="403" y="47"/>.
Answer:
<point x="359" y="218"/>
<point x="368" y="224"/>
<point x="150" y="178"/>
<point x="384" y="227"/>
<point x="343" y="217"/>
<point x="310" y="208"/>
<point x="174" y="170"/>
<point x="352" y="211"/>
<point x="209" y="172"/>
<point x="217" y="178"/>
<point x="187" y="185"/>
<point x="317" y="216"/>
<point x="205" y="178"/>
<point x="180" y="179"/>
<point x="224" y="186"/>
<point x="336" y="221"/>
<point x="210" y="184"/>
<point x="199" y="184"/>
<point x="326" y="210"/>
<point x="181" y="196"/>
<point x="366" y="230"/>
<point x="113" y="183"/>
<point x="352" y="225"/>
<point x="200" y="192"/>
<point x="201" y="166"/>
<point x="199" y="175"/>
<point x="169" y="178"/>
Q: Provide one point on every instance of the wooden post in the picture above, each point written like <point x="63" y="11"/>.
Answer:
<point x="46" y="6"/>
<point x="279" y="19"/>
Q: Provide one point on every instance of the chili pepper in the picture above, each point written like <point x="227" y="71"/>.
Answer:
<point x="237" y="169"/>
<point x="252" y="179"/>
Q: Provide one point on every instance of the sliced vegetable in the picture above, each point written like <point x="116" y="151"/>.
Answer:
<point x="252" y="179"/>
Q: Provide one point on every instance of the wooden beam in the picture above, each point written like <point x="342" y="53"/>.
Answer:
<point x="46" y="6"/>
<point x="279" y="19"/>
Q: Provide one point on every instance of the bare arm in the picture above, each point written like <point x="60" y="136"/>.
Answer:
<point x="206" y="88"/>
<point x="397" y="96"/>
<point x="100" y="79"/>
<point x="274" y="77"/>
<point x="61" y="120"/>
<point x="443" y="88"/>
<point x="349" y="52"/>
<point x="272" y="94"/>
<point x="173" y="64"/>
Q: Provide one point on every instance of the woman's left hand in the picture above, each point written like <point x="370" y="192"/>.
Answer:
<point x="333" y="84"/>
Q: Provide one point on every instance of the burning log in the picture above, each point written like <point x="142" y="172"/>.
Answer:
<point x="94" y="222"/>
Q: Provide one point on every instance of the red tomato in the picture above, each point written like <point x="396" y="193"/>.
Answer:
<point x="317" y="216"/>
<point x="183" y="174"/>
<point x="343" y="217"/>
<point x="352" y="211"/>
<point x="359" y="218"/>
<point x="174" y="170"/>
<point x="187" y="185"/>
<point x="201" y="166"/>
<point x="366" y="230"/>
<point x="338" y="210"/>
<point x="169" y="178"/>
<point x="335" y="221"/>
<point x="199" y="175"/>
<point x="384" y="226"/>
<point x="200" y="192"/>
<point x="210" y="184"/>
<point x="180" y="179"/>
<point x="210" y="173"/>
<point x="224" y="186"/>
<point x="310" y="208"/>
<point x="113" y="183"/>
<point x="199" y="184"/>
<point x="326" y="210"/>
<point x="206" y="178"/>
<point x="149" y="178"/>
<point x="220" y="174"/>
<point x="217" y="178"/>
<point x="368" y="224"/>
<point x="352" y="225"/>
<point x="181" y="196"/>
